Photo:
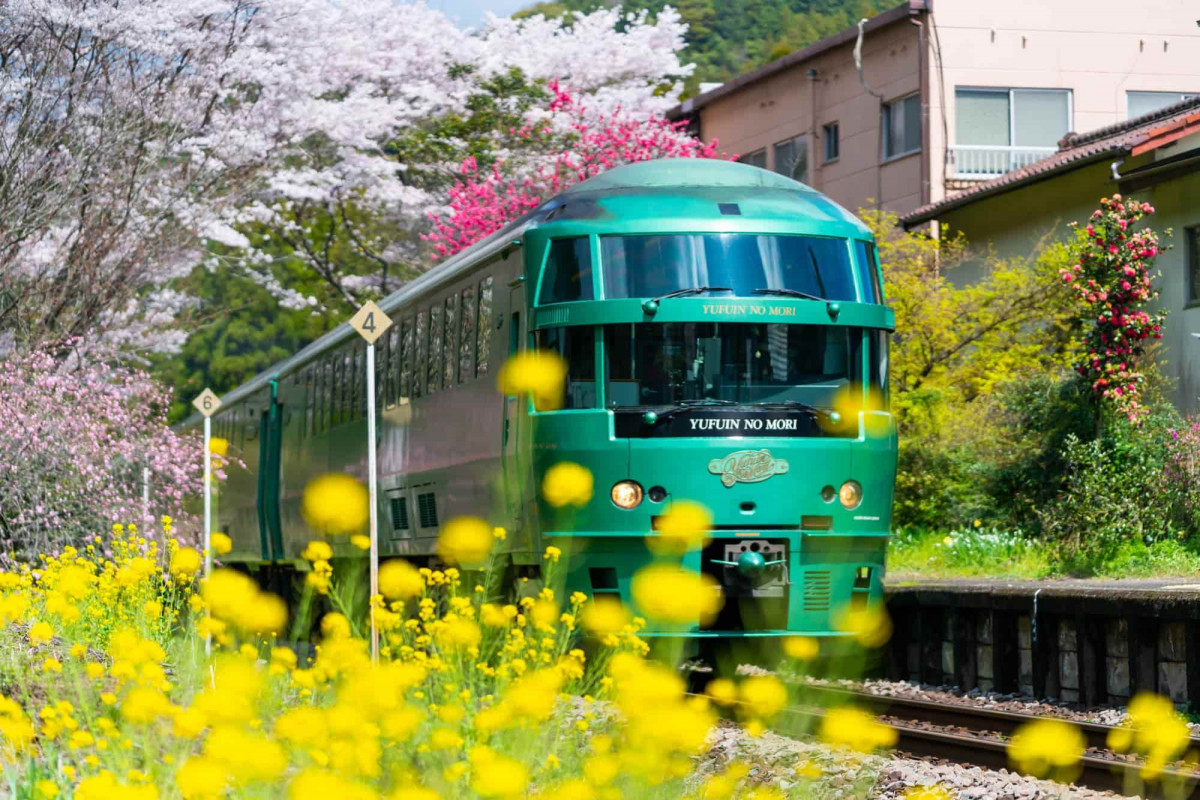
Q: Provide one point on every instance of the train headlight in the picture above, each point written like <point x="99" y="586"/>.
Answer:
<point x="850" y="495"/>
<point x="627" y="494"/>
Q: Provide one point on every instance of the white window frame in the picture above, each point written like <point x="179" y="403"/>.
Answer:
<point x="1012" y="118"/>
<point x="885" y="111"/>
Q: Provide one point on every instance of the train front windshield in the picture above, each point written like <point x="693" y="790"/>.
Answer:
<point x="652" y="364"/>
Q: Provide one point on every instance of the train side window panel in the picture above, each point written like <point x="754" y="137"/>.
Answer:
<point x="878" y="365"/>
<point x="568" y="272"/>
<point x="577" y="346"/>
<point x="650" y="266"/>
<point x="868" y="272"/>
<point x="451" y="337"/>
<point x="652" y="364"/>
<point x="310" y="399"/>
<point x="466" y="352"/>
<point x="483" y="347"/>
<point x="335" y="395"/>
<point x="406" y="357"/>
<point x="391" y="364"/>
<point x="434" y="365"/>
<point x="422" y="349"/>
<point x="355" y="366"/>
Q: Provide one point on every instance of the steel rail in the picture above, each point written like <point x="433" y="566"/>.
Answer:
<point x="980" y="746"/>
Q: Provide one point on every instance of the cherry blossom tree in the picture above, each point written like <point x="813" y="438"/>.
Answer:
<point x="140" y="138"/>
<point x="73" y="447"/>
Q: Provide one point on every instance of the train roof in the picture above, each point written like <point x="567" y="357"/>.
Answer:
<point x="634" y="198"/>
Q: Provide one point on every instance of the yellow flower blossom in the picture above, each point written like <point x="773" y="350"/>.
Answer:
<point x="220" y="543"/>
<point x="335" y="504"/>
<point x="676" y="596"/>
<point x="400" y="580"/>
<point x="1047" y="748"/>
<point x="855" y="729"/>
<point x="466" y="541"/>
<point x="186" y="562"/>
<point x="567" y="484"/>
<point x="685" y="526"/>
<point x="541" y="374"/>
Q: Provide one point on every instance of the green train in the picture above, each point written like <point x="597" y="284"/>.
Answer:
<point x="723" y="327"/>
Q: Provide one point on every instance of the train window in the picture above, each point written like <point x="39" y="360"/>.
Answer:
<point x="653" y="364"/>
<point x="422" y="348"/>
<point x="650" y="266"/>
<point x="306" y="424"/>
<point x="360" y="378"/>
<point x="878" y="366"/>
<point x="433" y="368"/>
<point x="483" y="341"/>
<point x="326" y="393"/>
<point x="466" y="364"/>
<point x="354" y="371"/>
<point x="577" y="346"/>
<point x="451" y="340"/>
<point x="868" y="272"/>
<point x="568" y="272"/>
<point x="335" y="395"/>
<point x="406" y="357"/>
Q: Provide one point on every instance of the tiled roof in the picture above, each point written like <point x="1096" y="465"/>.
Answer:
<point x="1135" y="136"/>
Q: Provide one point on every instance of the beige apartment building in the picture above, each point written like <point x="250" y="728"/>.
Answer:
<point x="944" y="94"/>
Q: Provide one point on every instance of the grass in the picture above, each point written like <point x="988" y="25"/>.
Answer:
<point x="991" y="553"/>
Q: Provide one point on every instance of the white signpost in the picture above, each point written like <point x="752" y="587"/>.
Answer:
<point x="207" y="404"/>
<point x="371" y="323"/>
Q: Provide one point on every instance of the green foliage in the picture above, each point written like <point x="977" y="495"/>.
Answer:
<point x="238" y="330"/>
<point x="969" y="552"/>
<point x="725" y="39"/>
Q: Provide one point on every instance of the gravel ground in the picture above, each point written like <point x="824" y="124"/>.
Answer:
<point x="775" y="758"/>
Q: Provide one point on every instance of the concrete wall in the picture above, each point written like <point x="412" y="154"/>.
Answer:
<point x="1098" y="49"/>
<point x="782" y="106"/>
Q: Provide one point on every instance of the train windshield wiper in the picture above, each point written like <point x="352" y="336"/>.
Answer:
<point x="692" y="290"/>
<point x="688" y="405"/>
<point x="790" y="293"/>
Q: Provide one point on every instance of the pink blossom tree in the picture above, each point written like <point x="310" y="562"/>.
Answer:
<point x="570" y="144"/>
<point x="73" y="446"/>
<point x="1113" y="284"/>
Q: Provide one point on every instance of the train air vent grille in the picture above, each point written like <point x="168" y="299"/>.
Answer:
<point x="817" y="589"/>
<point x="427" y="510"/>
<point x="399" y="513"/>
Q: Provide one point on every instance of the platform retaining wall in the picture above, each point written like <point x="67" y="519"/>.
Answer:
<point x="1075" y="642"/>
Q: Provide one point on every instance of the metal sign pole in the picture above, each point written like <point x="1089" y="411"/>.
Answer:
<point x="371" y="323"/>
<point x="372" y="468"/>
<point x="207" y="404"/>
<point x="207" y="496"/>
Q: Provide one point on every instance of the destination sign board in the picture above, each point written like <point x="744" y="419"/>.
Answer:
<point x="631" y="423"/>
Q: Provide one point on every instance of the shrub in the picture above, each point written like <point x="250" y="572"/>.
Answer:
<point x="73" y="444"/>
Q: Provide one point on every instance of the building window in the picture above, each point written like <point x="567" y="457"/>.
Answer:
<point x="756" y="159"/>
<point x="902" y="126"/>
<point x="829" y="135"/>
<point x="998" y="130"/>
<point x="1191" y="240"/>
<point x="1138" y="103"/>
<point x="791" y="158"/>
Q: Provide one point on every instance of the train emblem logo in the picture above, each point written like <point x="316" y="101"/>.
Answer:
<point x="747" y="466"/>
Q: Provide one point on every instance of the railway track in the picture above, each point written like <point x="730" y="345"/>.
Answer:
<point x="979" y="737"/>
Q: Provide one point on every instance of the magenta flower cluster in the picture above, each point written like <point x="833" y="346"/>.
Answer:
<point x="73" y="446"/>
<point x="580" y="145"/>
<point x="1113" y="283"/>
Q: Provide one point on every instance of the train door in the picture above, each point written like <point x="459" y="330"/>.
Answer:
<point x="514" y="412"/>
<point x="269" y="445"/>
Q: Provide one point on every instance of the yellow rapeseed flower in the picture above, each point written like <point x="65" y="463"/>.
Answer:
<point x="605" y="616"/>
<point x="465" y="541"/>
<point x="361" y="541"/>
<point x="40" y="633"/>
<point x="336" y="504"/>
<point x="220" y="543"/>
<point x="541" y="374"/>
<point x="1047" y="748"/>
<point x="400" y="580"/>
<point x="218" y="446"/>
<point x="567" y="484"/>
<point x="186" y="562"/>
<point x="200" y="778"/>
<point x="801" y="648"/>
<point x="762" y="697"/>
<point x="870" y="626"/>
<point x="677" y="596"/>
<point x="494" y="775"/>
<point x="855" y="729"/>
<point x="934" y="792"/>
<point x="1154" y="730"/>
<point x="685" y="526"/>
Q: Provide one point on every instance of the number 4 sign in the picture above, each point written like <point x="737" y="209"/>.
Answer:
<point x="370" y="322"/>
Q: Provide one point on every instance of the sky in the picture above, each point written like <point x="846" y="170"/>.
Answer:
<point x="468" y="13"/>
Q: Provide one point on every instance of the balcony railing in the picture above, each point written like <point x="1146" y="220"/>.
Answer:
<point x="981" y="162"/>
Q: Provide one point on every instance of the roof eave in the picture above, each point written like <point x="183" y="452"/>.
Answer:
<point x="919" y="217"/>
<point x="846" y="36"/>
